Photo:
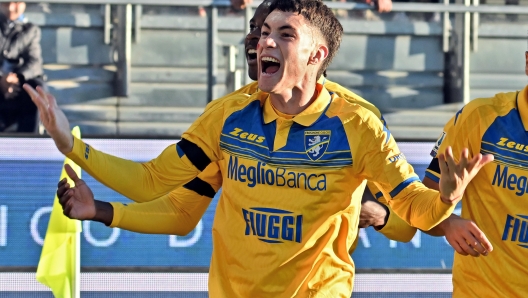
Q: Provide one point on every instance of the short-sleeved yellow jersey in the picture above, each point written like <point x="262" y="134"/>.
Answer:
<point x="496" y="198"/>
<point x="291" y="190"/>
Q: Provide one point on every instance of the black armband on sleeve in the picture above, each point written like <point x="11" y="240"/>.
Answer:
<point x="201" y="187"/>
<point x="194" y="153"/>
<point x="434" y="166"/>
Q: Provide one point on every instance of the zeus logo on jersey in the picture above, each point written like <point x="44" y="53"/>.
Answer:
<point x="273" y="225"/>
<point x="516" y="229"/>
<point x="505" y="142"/>
<point x="237" y="132"/>
<point x="510" y="181"/>
<point x="261" y="174"/>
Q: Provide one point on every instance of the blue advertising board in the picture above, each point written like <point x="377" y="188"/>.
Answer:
<point x="29" y="172"/>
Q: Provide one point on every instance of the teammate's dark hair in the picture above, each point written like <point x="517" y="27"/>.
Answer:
<point x="319" y="16"/>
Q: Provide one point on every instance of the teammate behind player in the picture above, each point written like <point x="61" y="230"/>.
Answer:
<point x="296" y="158"/>
<point x="494" y="200"/>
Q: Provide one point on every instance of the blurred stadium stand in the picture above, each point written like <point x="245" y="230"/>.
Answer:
<point x="398" y="66"/>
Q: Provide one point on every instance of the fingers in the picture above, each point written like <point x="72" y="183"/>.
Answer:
<point x="466" y="238"/>
<point x="71" y="173"/>
<point x="66" y="202"/>
<point x="474" y="244"/>
<point x="62" y="187"/>
<point x="68" y="205"/>
<point x="479" y="161"/>
<point x="451" y="164"/>
<point x="442" y="163"/>
<point x="49" y="98"/>
<point x="467" y="249"/>
<point x="464" y="158"/>
<point x="457" y="247"/>
<point x="481" y="238"/>
<point x="40" y="102"/>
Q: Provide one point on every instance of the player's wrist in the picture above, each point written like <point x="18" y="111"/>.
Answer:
<point x="104" y="212"/>
<point x="382" y="220"/>
<point x="451" y="199"/>
<point x="65" y="145"/>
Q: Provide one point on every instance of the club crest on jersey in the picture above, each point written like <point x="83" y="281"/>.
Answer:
<point x="316" y="142"/>
<point x="434" y="152"/>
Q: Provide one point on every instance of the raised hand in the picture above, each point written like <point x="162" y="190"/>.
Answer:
<point x="465" y="236"/>
<point x="52" y="118"/>
<point x="454" y="177"/>
<point x="77" y="202"/>
<point x="240" y="4"/>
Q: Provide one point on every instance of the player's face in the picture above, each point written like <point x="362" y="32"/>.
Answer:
<point x="252" y="39"/>
<point x="12" y="10"/>
<point x="526" y="64"/>
<point x="284" y="49"/>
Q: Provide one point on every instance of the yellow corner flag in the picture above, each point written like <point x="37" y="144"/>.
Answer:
<point x="59" y="265"/>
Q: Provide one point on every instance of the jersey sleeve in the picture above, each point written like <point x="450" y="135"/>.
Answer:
<point x="175" y="166"/>
<point x="208" y="181"/>
<point x="176" y="213"/>
<point x="378" y="159"/>
<point x="397" y="229"/>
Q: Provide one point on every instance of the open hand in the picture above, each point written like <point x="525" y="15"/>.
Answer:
<point x="77" y="202"/>
<point x="52" y="118"/>
<point x="454" y="177"/>
<point x="465" y="236"/>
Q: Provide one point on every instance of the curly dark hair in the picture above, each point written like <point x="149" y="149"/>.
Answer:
<point x="319" y="16"/>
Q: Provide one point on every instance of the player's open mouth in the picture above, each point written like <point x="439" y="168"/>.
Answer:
<point x="269" y="65"/>
<point x="251" y="55"/>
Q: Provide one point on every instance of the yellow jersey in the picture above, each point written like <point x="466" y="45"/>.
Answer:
<point x="291" y="190"/>
<point x="173" y="208"/>
<point x="494" y="198"/>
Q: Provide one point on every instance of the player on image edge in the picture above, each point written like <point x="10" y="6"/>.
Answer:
<point x="494" y="200"/>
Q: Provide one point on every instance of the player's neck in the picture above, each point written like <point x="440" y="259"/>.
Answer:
<point x="294" y="100"/>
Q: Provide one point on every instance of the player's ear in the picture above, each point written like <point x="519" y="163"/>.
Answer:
<point x="318" y="55"/>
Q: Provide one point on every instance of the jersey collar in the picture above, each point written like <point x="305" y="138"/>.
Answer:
<point x="306" y="117"/>
<point x="522" y="104"/>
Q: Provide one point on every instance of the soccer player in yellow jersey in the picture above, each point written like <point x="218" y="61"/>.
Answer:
<point x="296" y="159"/>
<point x="494" y="200"/>
<point x="200" y="191"/>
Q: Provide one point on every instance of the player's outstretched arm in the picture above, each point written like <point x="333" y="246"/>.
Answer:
<point x="176" y="213"/>
<point x="140" y="182"/>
